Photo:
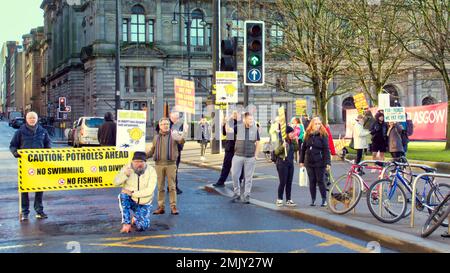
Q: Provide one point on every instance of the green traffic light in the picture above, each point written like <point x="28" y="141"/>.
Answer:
<point x="254" y="60"/>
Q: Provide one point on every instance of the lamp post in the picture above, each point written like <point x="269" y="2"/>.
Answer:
<point x="117" y="64"/>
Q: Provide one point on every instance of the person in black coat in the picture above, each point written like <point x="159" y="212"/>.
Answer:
<point x="229" y="150"/>
<point x="107" y="132"/>
<point x="379" y="131"/>
<point x="31" y="135"/>
<point x="316" y="157"/>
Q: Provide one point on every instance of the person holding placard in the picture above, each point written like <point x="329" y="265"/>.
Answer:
<point x="395" y="140"/>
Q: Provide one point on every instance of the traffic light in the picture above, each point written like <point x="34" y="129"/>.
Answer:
<point x="228" y="60"/>
<point x="254" y="46"/>
<point x="62" y="103"/>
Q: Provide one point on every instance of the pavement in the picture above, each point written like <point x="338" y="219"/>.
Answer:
<point x="360" y="223"/>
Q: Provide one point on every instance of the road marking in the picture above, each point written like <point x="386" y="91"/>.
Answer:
<point x="174" y="248"/>
<point x="128" y="242"/>
<point x="20" y="246"/>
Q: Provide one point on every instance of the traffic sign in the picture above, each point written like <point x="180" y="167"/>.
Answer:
<point x="254" y="75"/>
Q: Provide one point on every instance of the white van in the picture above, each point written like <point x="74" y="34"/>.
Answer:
<point x="86" y="131"/>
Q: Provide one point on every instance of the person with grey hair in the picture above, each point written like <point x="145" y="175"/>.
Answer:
<point x="176" y="125"/>
<point x="31" y="135"/>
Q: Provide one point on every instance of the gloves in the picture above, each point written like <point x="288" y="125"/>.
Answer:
<point x="16" y="155"/>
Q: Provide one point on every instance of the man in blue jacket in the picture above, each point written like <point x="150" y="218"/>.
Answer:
<point x="31" y="135"/>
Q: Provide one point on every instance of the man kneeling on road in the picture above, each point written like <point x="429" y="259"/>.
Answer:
<point x="138" y="181"/>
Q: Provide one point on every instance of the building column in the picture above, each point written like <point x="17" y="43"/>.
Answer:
<point x="411" y="88"/>
<point x="122" y="86"/>
<point x="338" y="105"/>
<point x="159" y="93"/>
<point x="148" y="84"/>
<point x="130" y="79"/>
<point x="158" y="28"/>
<point x="418" y="91"/>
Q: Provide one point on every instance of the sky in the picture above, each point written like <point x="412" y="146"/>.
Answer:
<point x="18" y="17"/>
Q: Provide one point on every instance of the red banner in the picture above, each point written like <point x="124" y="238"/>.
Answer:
<point x="430" y="122"/>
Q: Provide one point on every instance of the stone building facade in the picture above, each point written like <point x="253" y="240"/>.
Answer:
<point x="79" y="57"/>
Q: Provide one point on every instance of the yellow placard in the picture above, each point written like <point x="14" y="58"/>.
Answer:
<point x="69" y="169"/>
<point x="185" y="96"/>
<point x="360" y="102"/>
<point x="300" y="107"/>
<point x="282" y="118"/>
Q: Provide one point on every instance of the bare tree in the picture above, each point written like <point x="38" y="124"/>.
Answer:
<point x="313" y="47"/>
<point x="374" y="53"/>
<point x="429" y="22"/>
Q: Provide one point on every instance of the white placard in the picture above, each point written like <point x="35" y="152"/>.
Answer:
<point x="131" y="127"/>
<point x="384" y="101"/>
<point x="394" y="114"/>
<point x="226" y="87"/>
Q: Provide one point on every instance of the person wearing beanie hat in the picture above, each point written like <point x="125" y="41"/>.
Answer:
<point x="138" y="182"/>
<point x="107" y="132"/>
<point x="285" y="166"/>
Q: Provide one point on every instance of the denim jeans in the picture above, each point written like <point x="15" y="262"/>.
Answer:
<point x="38" y="206"/>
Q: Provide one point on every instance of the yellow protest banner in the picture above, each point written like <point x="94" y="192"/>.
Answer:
<point x="360" y="102"/>
<point x="185" y="96"/>
<point x="69" y="169"/>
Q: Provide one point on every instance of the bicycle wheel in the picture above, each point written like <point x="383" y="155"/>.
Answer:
<point x="436" y="195"/>
<point x="344" y="193"/>
<point x="386" y="201"/>
<point x="436" y="218"/>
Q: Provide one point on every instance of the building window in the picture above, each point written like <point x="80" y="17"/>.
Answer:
<point x="197" y="29"/>
<point x="208" y="41"/>
<point x="276" y="31"/>
<point x="139" y="79"/>
<point x="151" y="30"/>
<point x="237" y="27"/>
<point x="125" y="30"/>
<point x="200" y="80"/>
<point x="138" y="24"/>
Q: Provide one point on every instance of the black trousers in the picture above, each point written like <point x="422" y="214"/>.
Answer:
<point x="285" y="174"/>
<point x="359" y="155"/>
<point x="38" y="206"/>
<point x="226" y="168"/>
<point x="316" y="178"/>
<point x="178" y="164"/>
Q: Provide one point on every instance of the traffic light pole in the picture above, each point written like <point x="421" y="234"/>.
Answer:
<point x="215" y="144"/>
<point x="117" y="64"/>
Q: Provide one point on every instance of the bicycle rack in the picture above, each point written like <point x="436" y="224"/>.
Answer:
<point x="400" y="164"/>
<point x="413" y="204"/>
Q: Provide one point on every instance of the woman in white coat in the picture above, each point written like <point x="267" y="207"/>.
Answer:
<point x="360" y="138"/>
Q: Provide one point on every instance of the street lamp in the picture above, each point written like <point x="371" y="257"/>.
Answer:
<point x="117" y="64"/>
<point x="187" y="15"/>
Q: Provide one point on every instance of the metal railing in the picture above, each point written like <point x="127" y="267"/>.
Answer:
<point x="413" y="204"/>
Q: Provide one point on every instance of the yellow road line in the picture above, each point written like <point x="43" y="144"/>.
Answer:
<point x="173" y="248"/>
<point x="329" y="239"/>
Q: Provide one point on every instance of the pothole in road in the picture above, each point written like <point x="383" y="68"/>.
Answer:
<point x="91" y="227"/>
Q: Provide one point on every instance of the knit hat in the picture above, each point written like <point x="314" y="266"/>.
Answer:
<point x="289" y="129"/>
<point x="140" y="156"/>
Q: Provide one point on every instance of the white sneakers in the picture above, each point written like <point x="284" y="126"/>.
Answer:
<point x="289" y="203"/>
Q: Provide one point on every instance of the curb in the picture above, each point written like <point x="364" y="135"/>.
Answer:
<point x="395" y="240"/>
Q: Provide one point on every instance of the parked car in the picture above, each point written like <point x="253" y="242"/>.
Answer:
<point x="86" y="131"/>
<point x="71" y="134"/>
<point x="13" y="115"/>
<point x="17" y="122"/>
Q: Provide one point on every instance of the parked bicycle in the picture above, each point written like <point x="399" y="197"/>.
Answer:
<point x="346" y="191"/>
<point x="437" y="217"/>
<point x="387" y="198"/>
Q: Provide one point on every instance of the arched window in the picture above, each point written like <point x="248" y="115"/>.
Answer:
<point x="276" y="31"/>
<point x="138" y="24"/>
<point x="429" y="100"/>
<point x="197" y="28"/>
<point x="394" y="97"/>
<point x="237" y="27"/>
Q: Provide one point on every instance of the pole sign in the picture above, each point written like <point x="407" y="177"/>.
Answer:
<point x="131" y="127"/>
<point x="185" y="96"/>
<point x="300" y="107"/>
<point x="360" y="102"/>
<point x="226" y="87"/>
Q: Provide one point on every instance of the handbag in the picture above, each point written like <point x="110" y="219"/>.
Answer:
<point x="303" y="178"/>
